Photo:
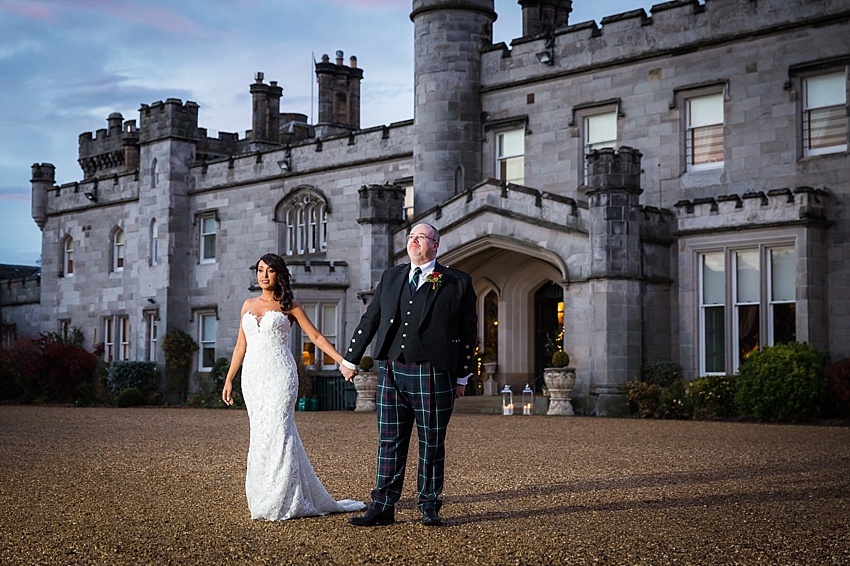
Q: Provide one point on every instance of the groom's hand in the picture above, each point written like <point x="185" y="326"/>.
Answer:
<point x="347" y="372"/>
<point x="459" y="390"/>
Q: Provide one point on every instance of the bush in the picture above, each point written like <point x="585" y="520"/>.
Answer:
<point x="644" y="397"/>
<point x="560" y="359"/>
<point x="713" y="396"/>
<point x="212" y="383"/>
<point x="130" y="397"/>
<point x="655" y="402"/>
<point x="18" y="376"/>
<point x="782" y="383"/>
<point x="178" y="347"/>
<point x="838" y="388"/>
<point x="366" y="363"/>
<point x="662" y="374"/>
<point x="125" y="375"/>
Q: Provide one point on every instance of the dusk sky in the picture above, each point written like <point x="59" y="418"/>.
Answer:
<point x="65" y="65"/>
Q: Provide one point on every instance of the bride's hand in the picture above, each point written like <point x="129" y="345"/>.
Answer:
<point x="225" y="394"/>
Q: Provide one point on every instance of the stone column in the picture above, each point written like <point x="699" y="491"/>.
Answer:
<point x="43" y="178"/>
<point x="615" y="277"/>
<point x="381" y="212"/>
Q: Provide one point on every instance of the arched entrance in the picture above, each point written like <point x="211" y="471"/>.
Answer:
<point x="548" y="327"/>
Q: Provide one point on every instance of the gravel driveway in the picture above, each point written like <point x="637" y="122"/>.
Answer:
<point x="166" y="486"/>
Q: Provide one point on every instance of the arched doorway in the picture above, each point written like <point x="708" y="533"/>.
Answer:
<point x="548" y="327"/>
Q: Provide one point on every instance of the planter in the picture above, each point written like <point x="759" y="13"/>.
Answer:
<point x="560" y="382"/>
<point x="489" y="386"/>
<point x="366" y="384"/>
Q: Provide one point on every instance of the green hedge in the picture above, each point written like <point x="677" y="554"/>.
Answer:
<point x="125" y="375"/>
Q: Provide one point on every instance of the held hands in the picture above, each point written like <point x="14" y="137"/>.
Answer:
<point x="459" y="390"/>
<point x="347" y="372"/>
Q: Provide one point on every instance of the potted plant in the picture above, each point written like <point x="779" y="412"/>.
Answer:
<point x="560" y="380"/>
<point x="366" y="384"/>
<point x="489" y="365"/>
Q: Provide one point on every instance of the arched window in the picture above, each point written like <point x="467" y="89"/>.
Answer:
<point x="154" y="174"/>
<point x="154" y="247"/>
<point x="68" y="256"/>
<point x="118" y="250"/>
<point x="303" y="215"/>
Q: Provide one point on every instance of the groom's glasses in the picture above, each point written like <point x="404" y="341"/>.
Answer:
<point x="416" y="237"/>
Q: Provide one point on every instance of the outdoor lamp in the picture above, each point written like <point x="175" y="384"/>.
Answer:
<point x="507" y="401"/>
<point x="527" y="401"/>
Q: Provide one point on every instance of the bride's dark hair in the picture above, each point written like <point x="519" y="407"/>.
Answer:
<point x="282" y="291"/>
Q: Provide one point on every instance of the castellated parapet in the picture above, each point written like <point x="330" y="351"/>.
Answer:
<point x="171" y="118"/>
<point x="339" y="95"/>
<point x="111" y="150"/>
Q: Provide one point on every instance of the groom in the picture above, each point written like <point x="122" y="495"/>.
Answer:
<point x="424" y="324"/>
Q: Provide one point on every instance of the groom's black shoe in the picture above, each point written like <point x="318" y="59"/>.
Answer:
<point x="430" y="518"/>
<point x="373" y="518"/>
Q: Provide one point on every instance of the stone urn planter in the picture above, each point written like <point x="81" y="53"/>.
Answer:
<point x="366" y="384"/>
<point x="560" y="381"/>
<point x="490" y="387"/>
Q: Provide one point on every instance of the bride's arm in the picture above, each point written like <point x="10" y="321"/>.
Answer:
<point x="313" y="333"/>
<point x="235" y="360"/>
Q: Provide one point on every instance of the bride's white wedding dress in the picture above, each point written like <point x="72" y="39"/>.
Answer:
<point x="280" y="483"/>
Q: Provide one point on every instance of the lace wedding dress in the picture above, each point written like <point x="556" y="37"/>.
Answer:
<point x="280" y="483"/>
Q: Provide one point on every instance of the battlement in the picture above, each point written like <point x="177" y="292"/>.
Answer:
<point x="674" y="28"/>
<point x="318" y="274"/>
<point x="20" y="291"/>
<point x="111" y="149"/>
<point x="171" y="118"/>
<point x="107" y="189"/>
<point x="752" y="210"/>
<point x="610" y="169"/>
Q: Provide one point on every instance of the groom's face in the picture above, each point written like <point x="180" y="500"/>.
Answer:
<point x="422" y="244"/>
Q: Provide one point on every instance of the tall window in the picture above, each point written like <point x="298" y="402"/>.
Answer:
<point x="600" y="130"/>
<point x="731" y="284"/>
<point x="154" y="173"/>
<point x="118" y="250"/>
<point x="108" y="339"/>
<point x="123" y="337"/>
<point x="825" y="114"/>
<point x="409" y="202"/>
<point x="208" y="233"/>
<point x="151" y="335"/>
<point x="154" y="238"/>
<point x="206" y="355"/>
<point x="704" y="143"/>
<point x="510" y="156"/>
<point x="304" y="217"/>
<point x="324" y="316"/>
<point x="68" y="257"/>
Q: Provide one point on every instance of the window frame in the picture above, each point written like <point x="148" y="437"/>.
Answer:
<point x="303" y="215"/>
<point x="805" y="119"/>
<point x="689" y="98"/>
<point x="315" y="311"/>
<point x="151" y="334"/>
<point x="203" y="235"/>
<point x="68" y="256"/>
<point x="153" y="252"/>
<point x="119" y="249"/>
<point x="584" y="116"/>
<point x="203" y="342"/>
<point x="501" y="157"/>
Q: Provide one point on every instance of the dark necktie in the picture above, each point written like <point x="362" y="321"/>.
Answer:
<point x="414" y="281"/>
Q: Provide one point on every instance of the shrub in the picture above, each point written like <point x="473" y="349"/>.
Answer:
<point x="212" y="383"/>
<point x="782" y="383"/>
<point x="366" y="363"/>
<point x="560" y="359"/>
<point x="18" y="376"/>
<point x="673" y="403"/>
<point x="838" y="388"/>
<point x="178" y="347"/>
<point x="644" y="397"/>
<point x="130" y="397"/>
<point x="125" y="375"/>
<point x="713" y="396"/>
<point x="663" y="374"/>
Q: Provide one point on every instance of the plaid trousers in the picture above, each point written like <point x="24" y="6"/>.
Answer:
<point x="408" y="394"/>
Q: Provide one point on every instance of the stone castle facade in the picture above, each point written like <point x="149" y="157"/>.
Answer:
<point x="672" y="187"/>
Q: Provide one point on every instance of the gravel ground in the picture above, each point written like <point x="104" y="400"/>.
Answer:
<point x="166" y="486"/>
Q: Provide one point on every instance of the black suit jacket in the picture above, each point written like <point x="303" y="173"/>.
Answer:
<point x="448" y="327"/>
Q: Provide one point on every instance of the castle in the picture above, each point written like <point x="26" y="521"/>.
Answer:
<point x="664" y="187"/>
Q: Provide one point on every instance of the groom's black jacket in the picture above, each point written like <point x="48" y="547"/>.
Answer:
<point x="447" y="328"/>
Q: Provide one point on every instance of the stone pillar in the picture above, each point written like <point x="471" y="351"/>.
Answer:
<point x="448" y="35"/>
<point x="381" y="212"/>
<point x="615" y="277"/>
<point x="130" y="143"/>
<point x="354" y="95"/>
<point x="273" y="112"/>
<point x="259" y="95"/>
<point x="43" y="178"/>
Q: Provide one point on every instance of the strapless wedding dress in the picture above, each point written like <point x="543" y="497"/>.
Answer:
<point x="280" y="482"/>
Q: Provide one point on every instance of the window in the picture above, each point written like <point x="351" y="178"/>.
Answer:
<point x="324" y="317"/>
<point x="704" y="143"/>
<point x="68" y="257"/>
<point x="409" y="203"/>
<point x="206" y="355"/>
<point x="108" y="339"/>
<point x="825" y="114"/>
<point x="151" y="335"/>
<point x="600" y="130"/>
<point x="154" y="238"/>
<point x="8" y="335"/>
<point x="118" y="250"/>
<point x="510" y="156"/>
<point x="123" y="337"/>
<point x="731" y="304"/>
<point x="304" y="217"/>
<point x="64" y="328"/>
<point x="154" y="174"/>
<point x="208" y="232"/>
<point x="116" y="338"/>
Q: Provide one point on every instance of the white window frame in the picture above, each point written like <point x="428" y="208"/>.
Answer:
<point x="108" y="339"/>
<point x="703" y="123"/>
<point x="122" y="324"/>
<point x="151" y="335"/>
<point x="808" y="107"/>
<point x="205" y="341"/>
<point x="505" y="157"/>
<point x="208" y="239"/>
<point x="305" y="224"/>
<point x="409" y="203"/>
<point x="119" y="249"/>
<point x="68" y="257"/>
<point x="315" y="310"/>
<point x="154" y="242"/>
<point x="590" y="141"/>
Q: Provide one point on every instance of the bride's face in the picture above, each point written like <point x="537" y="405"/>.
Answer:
<point x="266" y="276"/>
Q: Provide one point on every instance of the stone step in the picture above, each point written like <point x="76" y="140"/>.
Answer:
<point x="492" y="405"/>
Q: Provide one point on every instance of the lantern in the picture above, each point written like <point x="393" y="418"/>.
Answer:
<point x="507" y="401"/>
<point x="527" y="401"/>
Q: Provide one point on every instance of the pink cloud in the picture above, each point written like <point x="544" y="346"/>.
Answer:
<point x="16" y="197"/>
<point x="30" y="10"/>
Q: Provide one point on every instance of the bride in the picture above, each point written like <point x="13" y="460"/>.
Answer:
<point x="280" y="483"/>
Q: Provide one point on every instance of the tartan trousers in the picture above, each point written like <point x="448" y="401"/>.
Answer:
<point x="408" y="394"/>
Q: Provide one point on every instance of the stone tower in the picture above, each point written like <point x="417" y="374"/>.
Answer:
<point x="448" y="35"/>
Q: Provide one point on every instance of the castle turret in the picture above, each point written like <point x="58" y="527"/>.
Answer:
<point x="448" y="35"/>
<point x="43" y="178"/>
<point x="544" y="16"/>
<point x="339" y="96"/>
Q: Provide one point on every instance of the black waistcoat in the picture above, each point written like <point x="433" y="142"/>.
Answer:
<point x="406" y="339"/>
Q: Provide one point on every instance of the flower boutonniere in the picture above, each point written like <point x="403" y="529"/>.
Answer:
<point x="435" y="278"/>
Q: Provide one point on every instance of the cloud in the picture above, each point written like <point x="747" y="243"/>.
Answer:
<point x="27" y="10"/>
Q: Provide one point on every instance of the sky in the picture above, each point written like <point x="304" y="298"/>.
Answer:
<point x="65" y="65"/>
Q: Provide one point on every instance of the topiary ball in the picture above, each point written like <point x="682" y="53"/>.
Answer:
<point x="130" y="397"/>
<point x="366" y="363"/>
<point x="560" y="359"/>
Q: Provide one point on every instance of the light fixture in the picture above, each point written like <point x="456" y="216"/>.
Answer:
<point x="547" y="56"/>
<point x="507" y="401"/>
<point x="92" y="196"/>
<point x="527" y="400"/>
<point x="284" y="166"/>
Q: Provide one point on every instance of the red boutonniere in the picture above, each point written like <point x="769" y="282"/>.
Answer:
<point x="435" y="278"/>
